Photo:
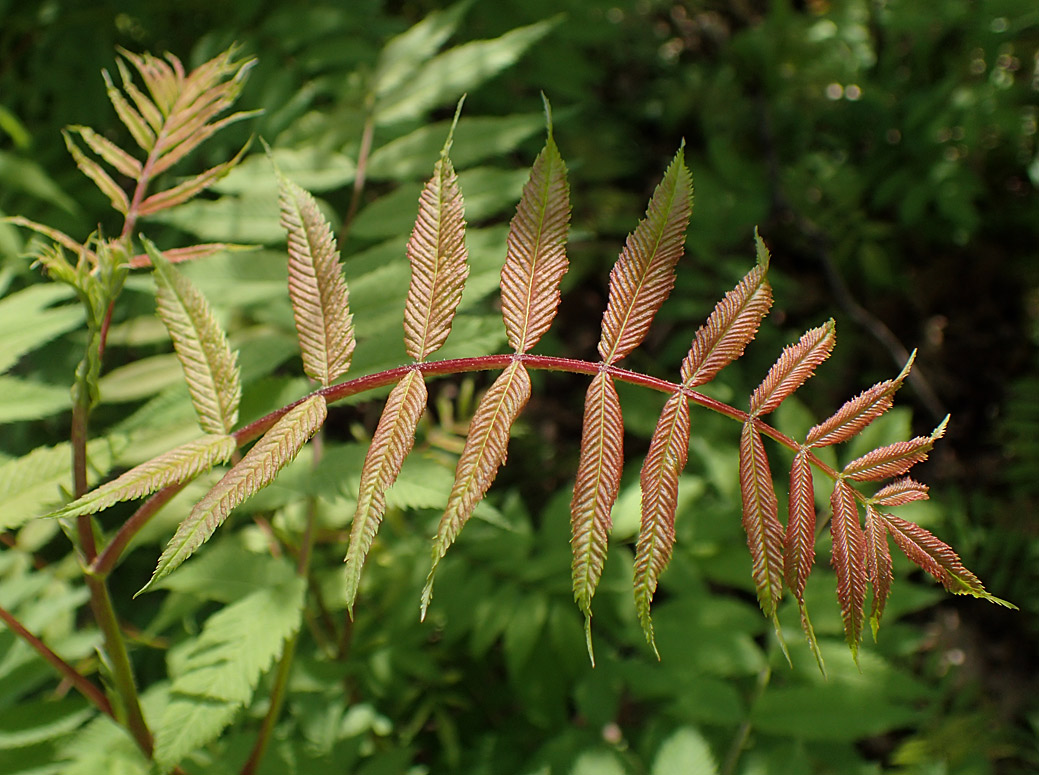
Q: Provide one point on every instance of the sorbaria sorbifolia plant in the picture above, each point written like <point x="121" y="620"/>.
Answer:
<point x="176" y="112"/>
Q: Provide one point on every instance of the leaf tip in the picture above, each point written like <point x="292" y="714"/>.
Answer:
<point x="588" y="636"/>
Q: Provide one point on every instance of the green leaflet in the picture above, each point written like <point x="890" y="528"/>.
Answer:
<point x="210" y="367"/>
<point x="174" y="467"/>
<point x="217" y="672"/>
<point x="28" y="320"/>
<point x="256" y="470"/>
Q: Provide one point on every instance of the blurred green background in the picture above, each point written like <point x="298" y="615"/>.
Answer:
<point x="888" y="154"/>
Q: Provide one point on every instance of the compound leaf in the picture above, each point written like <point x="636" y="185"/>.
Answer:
<point x="391" y="443"/>
<point x="665" y="461"/>
<point x="320" y="300"/>
<point x="535" y="258"/>
<point x="795" y="365"/>
<point x="261" y="464"/>
<point x="595" y="490"/>
<point x="211" y="369"/>
<point x="484" y="453"/>
<point x="644" y="273"/>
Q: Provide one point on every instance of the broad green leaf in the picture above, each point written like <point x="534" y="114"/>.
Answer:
<point x="217" y="672"/>
<point x="311" y="167"/>
<point x="275" y="450"/>
<point x="598" y="762"/>
<point x="28" y="723"/>
<point x="27" y="400"/>
<point x="178" y="465"/>
<point x="28" y="321"/>
<point x="685" y="752"/>
<point x="251" y="218"/>
<point x="456" y="71"/>
<point x="405" y="54"/>
<point x="210" y="367"/>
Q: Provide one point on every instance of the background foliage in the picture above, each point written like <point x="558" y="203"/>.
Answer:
<point x="889" y="155"/>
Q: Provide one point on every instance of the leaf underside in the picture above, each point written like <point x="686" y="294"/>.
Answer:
<point x="848" y="560"/>
<point x="665" y="461"/>
<point x="484" y="453"/>
<point x="857" y="413"/>
<point x="391" y="443"/>
<point x="595" y="490"/>
<point x="765" y="537"/>
<point x="320" y="301"/>
<point x="878" y="565"/>
<point x="210" y="368"/>
<point x="258" y="468"/>
<point x="794" y="366"/>
<point x="799" y="548"/>
<point x="893" y="459"/>
<point x="535" y="258"/>
<point x="644" y="273"/>
<point x="439" y="263"/>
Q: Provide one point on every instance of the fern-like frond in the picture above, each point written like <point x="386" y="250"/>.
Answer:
<point x="856" y="414"/>
<point x="761" y="519"/>
<point x="878" y="565"/>
<point x="849" y="561"/>
<point x="320" y="300"/>
<point x="900" y="492"/>
<point x="484" y="453"/>
<point x="439" y="260"/>
<point x="595" y="490"/>
<point x="731" y="326"/>
<point x="665" y="461"/>
<point x="535" y="258"/>
<point x="893" y="459"/>
<point x="391" y="443"/>
<point x="799" y="548"/>
<point x="937" y="558"/>
<point x="795" y="365"/>
<point x="258" y="468"/>
<point x="174" y="467"/>
<point x="644" y="273"/>
<point x="211" y="369"/>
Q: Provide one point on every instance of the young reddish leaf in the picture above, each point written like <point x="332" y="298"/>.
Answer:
<point x="181" y="193"/>
<point x="795" y="365"/>
<point x="439" y="261"/>
<point x="189" y="138"/>
<point x="731" y="326"/>
<point x="849" y="561"/>
<point x="761" y="519"/>
<point x="595" y="491"/>
<point x="809" y="631"/>
<point x="645" y="271"/>
<point x="878" y="565"/>
<point x="178" y="465"/>
<point x="799" y="548"/>
<point x="59" y="237"/>
<point x="894" y="459"/>
<point x="109" y="151"/>
<point x="261" y="464"/>
<point x="937" y="558"/>
<point x="320" y="301"/>
<point x="190" y="253"/>
<point x="210" y="368"/>
<point x="900" y="492"/>
<point x="391" y="443"/>
<point x="535" y="258"/>
<point x="96" y="173"/>
<point x="665" y="461"/>
<point x="148" y="109"/>
<point x="483" y="454"/>
<point x="132" y="120"/>
<point x="859" y="412"/>
<point x="163" y="81"/>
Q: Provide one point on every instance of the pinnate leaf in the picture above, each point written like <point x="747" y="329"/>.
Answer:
<point x="261" y="464"/>
<point x="484" y="453"/>
<point x="795" y="365"/>
<point x="180" y="464"/>
<point x="644" y="273"/>
<point x="211" y="369"/>
<point x="320" y="301"/>
<point x="391" y="443"/>
<point x="849" y="560"/>
<point x="439" y="261"/>
<point x="859" y="412"/>
<point x="535" y="258"/>
<point x="731" y="326"/>
<point x="878" y="565"/>
<point x="665" y="461"/>
<point x="799" y="548"/>
<point x="182" y="192"/>
<point x="595" y="491"/>
<point x="893" y="459"/>
<point x="765" y="537"/>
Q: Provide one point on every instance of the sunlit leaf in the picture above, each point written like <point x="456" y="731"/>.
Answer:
<point x="795" y="365"/>
<point x="893" y="459"/>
